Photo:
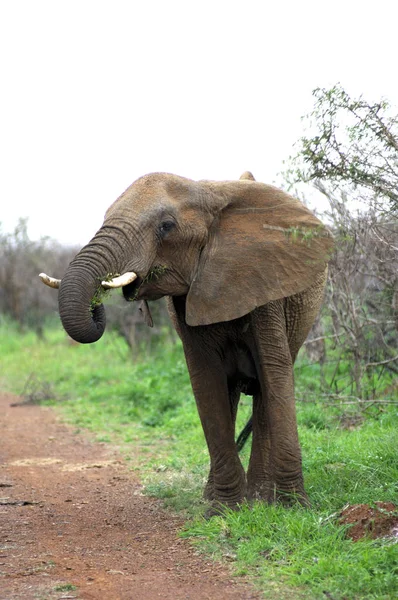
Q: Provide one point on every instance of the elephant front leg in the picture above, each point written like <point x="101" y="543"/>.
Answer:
<point x="275" y="467"/>
<point x="227" y="482"/>
<point x="234" y="396"/>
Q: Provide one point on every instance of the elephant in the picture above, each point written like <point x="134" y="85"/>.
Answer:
<point x="243" y="266"/>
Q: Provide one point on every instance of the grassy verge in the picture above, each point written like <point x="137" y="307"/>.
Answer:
<point x="148" y="410"/>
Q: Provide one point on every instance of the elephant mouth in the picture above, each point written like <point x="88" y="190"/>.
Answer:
<point x="131" y="290"/>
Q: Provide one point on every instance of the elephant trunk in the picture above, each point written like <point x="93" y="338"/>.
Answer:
<point x="82" y="314"/>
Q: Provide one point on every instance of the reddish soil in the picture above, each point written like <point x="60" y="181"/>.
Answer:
<point x="71" y="514"/>
<point x="380" y="520"/>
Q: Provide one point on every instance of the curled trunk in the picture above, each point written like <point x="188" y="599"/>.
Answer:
<point x="91" y="271"/>
<point x="83" y="319"/>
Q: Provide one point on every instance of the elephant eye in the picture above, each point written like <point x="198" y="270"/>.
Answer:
<point x="165" y="227"/>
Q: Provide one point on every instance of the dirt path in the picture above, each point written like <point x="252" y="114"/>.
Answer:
<point x="71" y="514"/>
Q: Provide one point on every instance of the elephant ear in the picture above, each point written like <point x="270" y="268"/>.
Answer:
<point x="263" y="245"/>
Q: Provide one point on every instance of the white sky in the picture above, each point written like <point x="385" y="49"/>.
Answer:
<point x="95" y="94"/>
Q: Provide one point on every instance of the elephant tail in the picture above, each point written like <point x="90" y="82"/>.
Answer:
<point x="244" y="434"/>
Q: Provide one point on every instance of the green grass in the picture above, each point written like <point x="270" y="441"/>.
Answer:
<point x="65" y="587"/>
<point x="147" y="409"/>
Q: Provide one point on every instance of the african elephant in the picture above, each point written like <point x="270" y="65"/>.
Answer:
<point x="243" y="265"/>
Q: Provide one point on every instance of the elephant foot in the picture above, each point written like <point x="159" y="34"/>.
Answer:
<point x="292" y="498"/>
<point x="221" y="500"/>
<point x="218" y="509"/>
<point x="223" y="495"/>
<point x="274" y="493"/>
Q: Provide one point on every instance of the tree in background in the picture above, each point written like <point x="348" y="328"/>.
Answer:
<point x="353" y="146"/>
<point x="21" y="260"/>
<point x="350" y="155"/>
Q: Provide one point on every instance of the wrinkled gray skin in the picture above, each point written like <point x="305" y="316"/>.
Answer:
<point x="243" y="266"/>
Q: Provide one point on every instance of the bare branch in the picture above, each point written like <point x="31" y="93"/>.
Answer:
<point x="324" y="337"/>
<point x="382" y="362"/>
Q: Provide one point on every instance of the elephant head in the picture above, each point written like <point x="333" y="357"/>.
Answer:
<point x="229" y="247"/>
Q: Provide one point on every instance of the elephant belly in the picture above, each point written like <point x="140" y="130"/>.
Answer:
<point x="241" y="369"/>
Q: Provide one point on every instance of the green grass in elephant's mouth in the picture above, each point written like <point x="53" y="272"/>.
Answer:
<point x="130" y="291"/>
<point x="98" y="298"/>
<point x="101" y="293"/>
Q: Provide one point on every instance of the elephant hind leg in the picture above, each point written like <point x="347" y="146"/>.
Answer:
<point x="275" y="468"/>
<point x="275" y="471"/>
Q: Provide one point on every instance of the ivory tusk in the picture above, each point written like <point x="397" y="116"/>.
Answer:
<point x="50" y="281"/>
<point x="120" y="281"/>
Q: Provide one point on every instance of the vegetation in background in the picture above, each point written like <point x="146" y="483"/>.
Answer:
<point x="21" y="291"/>
<point x="352" y="145"/>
